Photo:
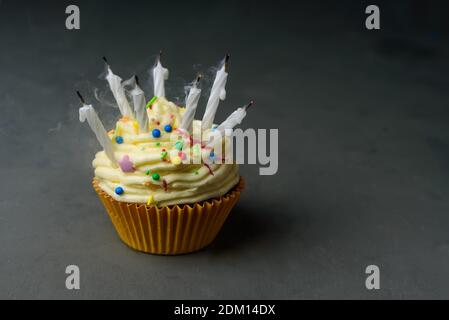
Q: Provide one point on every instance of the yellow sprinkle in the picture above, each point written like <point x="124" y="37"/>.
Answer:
<point x="150" y="200"/>
<point x="136" y="125"/>
<point x="176" y="160"/>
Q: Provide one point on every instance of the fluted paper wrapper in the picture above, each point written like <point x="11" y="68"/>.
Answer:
<point x="169" y="230"/>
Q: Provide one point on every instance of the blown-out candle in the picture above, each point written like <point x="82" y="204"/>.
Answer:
<point x="233" y="120"/>
<point x="139" y="106"/>
<point x="115" y="83"/>
<point x="87" y="112"/>
<point x="160" y="74"/>
<point x="191" y="104"/>
<point x="217" y="93"/>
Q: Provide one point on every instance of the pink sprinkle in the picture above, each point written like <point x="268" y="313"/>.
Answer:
<point x="126" y="164"/>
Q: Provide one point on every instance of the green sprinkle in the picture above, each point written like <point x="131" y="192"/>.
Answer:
<point x="148" y="172"/>
<point x="179" y="145"/>
<point x="164" y="154"/>
<point x="196" y="150"/>
<point x="196" y="172"/>
<point x="156" y="176"/>
<point x="151" y="101"/>
<point x="158" y="144"/>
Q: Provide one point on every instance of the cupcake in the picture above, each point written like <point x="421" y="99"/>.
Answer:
<point x="166" y="190"/>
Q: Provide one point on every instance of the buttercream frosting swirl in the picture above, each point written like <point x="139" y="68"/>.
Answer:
<point x="156" y="170"/>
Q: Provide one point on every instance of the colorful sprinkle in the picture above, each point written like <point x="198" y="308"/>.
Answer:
<point x="151" y="101"/>
<point x="156" y="176"/>
<point x="176" y="160"/>
<point x="212" y="155"/>
<point x="126" y="164"/>
<point x="119" y="139"/>
<point x="147" y="172"/>
<point x="150" y="200"/>
<point x="168" y="128"/>
<point x="156" y="133"/>
<point x="179" y="144"/>
<point x="182" y="155"/>
<point x="209" y="168"/>
<point x="164" y="155"/>
<point x="196" y="172"/>
<point x="119" y="190"/>
<point x="158" y="144"/>
<point x="136" y="125"/>
<point x="196" y="150"/>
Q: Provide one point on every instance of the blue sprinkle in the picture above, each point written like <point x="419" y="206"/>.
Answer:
<point x="119" y="139"/>
<point x="119" y="190"/>
<point x="212" y="155"/>
<point x="168" y="128"/>
<point x="156" y="133"/>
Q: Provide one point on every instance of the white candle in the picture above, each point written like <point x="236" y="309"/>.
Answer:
<point x="88" y="112"/>
<point x="139" y="104"/>
<point x="217" y="93"/>
<point x="160" y="74"/>
<point x="115" y="83"/>
<point x="234" y="118"/>
<point x="191" y="104"/>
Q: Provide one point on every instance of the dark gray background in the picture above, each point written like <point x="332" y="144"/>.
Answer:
<point x="364" y="147"/>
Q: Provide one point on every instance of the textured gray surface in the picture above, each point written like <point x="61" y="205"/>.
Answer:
<point x="364" y="149"/>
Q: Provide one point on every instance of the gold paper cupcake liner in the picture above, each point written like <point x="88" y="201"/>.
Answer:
<point x="169" y="230"/>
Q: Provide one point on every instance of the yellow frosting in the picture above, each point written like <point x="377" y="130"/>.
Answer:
<point x="179" y="182"/>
